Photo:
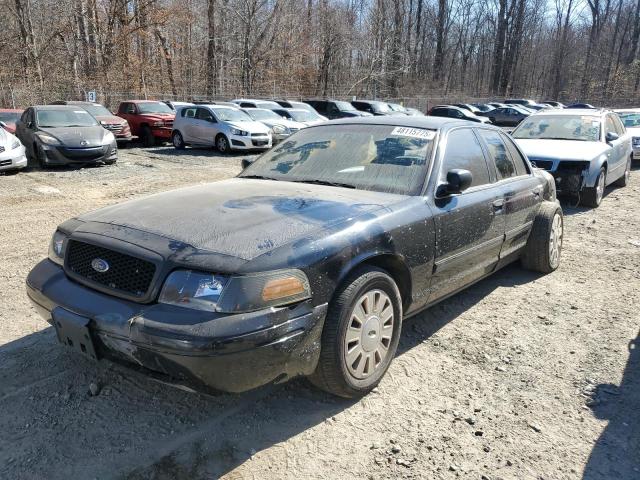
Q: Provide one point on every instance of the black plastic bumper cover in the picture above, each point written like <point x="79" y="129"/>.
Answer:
<point x="226" y="352"/>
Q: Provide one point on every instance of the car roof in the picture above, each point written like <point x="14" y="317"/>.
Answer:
<point x="55" y="107"/>
<point x="589" y="112"/>
<point x="141" y="101"/>
<point x="11" y="110"/>
<point x="627" y="110"/>
<point x="429" y="122"/>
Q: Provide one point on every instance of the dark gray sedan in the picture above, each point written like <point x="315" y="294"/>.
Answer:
<point x="64" y="135"/>
<point x="506" y="116"/>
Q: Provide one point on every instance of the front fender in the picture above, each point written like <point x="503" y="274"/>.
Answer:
<point x="591" y="174"/>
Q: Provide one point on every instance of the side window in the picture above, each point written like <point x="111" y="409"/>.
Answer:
<point x="131" y="109"/>
<point x="188" y="112"/>
<point x="204" y="114"/>
<point x="619" y="126"/>
<point x="25" y="116"/>
<point x="609" y="126"/>
<point x="464" y="151"/>
<point x="498" y="151"/>
<point x="516" y="156"/>
<point x="438" y="112"/>
<point x="320" y="106"/>
<point x="331" y="108"/>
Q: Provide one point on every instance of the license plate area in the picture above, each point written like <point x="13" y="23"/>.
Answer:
<point x="73" y="331"/>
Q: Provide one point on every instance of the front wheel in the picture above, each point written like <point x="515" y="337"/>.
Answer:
<point x="360" y="335"/>
<point x="148" y="140"/>
<point x="592" y="196"/>
<point x="222" y="144"/>
<point x="178" y="141"/>
<point x="542" y="252"/>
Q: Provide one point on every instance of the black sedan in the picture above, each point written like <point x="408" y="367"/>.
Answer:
<point x="506" y="116"/>
<point x="308" y="262"/>
<point x="64" y="135"/>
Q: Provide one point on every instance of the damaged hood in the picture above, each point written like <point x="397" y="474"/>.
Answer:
<point x="79" y="137"/>
<point x="561" y="149"/>
<point x="243" y="218"/>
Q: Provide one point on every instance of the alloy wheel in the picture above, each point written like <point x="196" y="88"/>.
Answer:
<point x="600" y="188"/>
<point x="555" y="241"/>
<point x="369" y="333"/>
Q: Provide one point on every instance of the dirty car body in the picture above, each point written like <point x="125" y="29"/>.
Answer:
<point x="230" y="284"/>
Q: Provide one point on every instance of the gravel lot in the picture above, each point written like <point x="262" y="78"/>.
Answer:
<point x="521" y="376"/>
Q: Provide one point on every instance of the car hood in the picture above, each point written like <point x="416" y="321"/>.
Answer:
<point x="250" y="126"/>
<point x="634" y="131"/>
<point x="75" y="136"/>
<point x="243" y="218"/>
<point x="110" y="119"/>
<point x="155" y="117"/>
<point x="6" y="139"/>
<point x="562" y="149"/>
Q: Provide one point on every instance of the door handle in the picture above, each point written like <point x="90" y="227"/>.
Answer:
<point x="536" y="192"/>
<point x="498" y="204"/>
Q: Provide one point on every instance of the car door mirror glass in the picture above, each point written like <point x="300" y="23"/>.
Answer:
<point x="611" y="137"/>
<point x="458" y="180"/>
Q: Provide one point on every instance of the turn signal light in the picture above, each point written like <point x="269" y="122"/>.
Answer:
<point x="282" y="288"/>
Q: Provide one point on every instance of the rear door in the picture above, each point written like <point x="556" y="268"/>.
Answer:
<point x="518" y="188"/>
<point x="469" y="226"/>
<point x="25" y="129"/>
<point x="188" y="124"/>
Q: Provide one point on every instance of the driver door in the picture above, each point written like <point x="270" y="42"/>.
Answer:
<point x="205" y="126"/>
<point x="470" y="226"/>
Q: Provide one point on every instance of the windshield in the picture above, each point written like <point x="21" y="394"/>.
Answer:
<point x="381" y="158"/>
<point x="562" y="127"/>
<point x="630" y="119"/>
<point x="263" y="115"/>
<point x="9" y="117"/>
<point x="303" y="116"/>
<point x="231" y="115"/>
<point x="154" y="107"/>
<point x="65" y="118"/>
<point x="97" y="110"/>
<point x="345" y="106"/>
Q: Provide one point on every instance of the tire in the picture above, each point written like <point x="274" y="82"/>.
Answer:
<point x="177" y="140"/>
<point x="623" y="181"/>
<point x="222" y="144"/>
<point x="592" y="196"/>
<point x="350" y="348"/>
<point x="542" y="252"/>
<point x="148" y="140"/>
<point x="110" y="162"/>
<point x="32" y="158"/>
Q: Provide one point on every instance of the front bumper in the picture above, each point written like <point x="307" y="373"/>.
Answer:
<point x="13" y="159"/>
<point x="636" y="152"/>
<point x="226" y="352"/>
<point x="56" y="155"/>
<point x="239" y="142"/>
<point x="570" y="176"/>
<point x="162" y="132"/>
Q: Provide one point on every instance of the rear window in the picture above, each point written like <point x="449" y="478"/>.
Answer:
<point x="382" y="158"/>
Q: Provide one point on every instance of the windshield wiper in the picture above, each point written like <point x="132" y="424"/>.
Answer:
<point x="326" y="182"/>
<point x="563" y="138"/>
<point x="258" y="177"/>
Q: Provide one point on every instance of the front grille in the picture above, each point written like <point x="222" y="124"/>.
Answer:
<point x="4" y="163"/>
<point x="636" y="141"/>
<point x="259" y="135"/>
<point x="126" y="274"/>
<point x="113" y="127"/>
<point x="260" y="143"/>
<point x="1" y="149"/>
<point x="84" y="153"/>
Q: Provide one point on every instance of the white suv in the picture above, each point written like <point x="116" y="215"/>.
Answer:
<point x="226" y="128"/>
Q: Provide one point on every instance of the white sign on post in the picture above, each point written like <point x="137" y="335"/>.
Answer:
<point x="91" y="96"/>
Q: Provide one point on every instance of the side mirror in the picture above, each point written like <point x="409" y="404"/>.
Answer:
<point x="611" y="137"/>
<point x="246" y="163"/>
<point x="29" y="124"/>
<point x="458" y="180"/>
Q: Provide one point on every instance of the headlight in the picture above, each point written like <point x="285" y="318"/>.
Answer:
<point x="16" y="144"/>
<point x="636" y="141"/>
<point x="48" y="139"/>
<point x="280" y="129"/>
<point x="245" y="293"/>
<point x="57" y="247"/>
<point x="108" y="138"/>
<point x="158" y="124"/>
<point x="242" y="133"/>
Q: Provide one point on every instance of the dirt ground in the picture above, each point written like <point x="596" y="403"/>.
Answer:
<point x="519" y="377"/>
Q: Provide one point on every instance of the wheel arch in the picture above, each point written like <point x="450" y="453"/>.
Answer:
<point x="391" y="263"/>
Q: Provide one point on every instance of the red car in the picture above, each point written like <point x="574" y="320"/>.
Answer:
<point x="151" y="121"/>
<point x="9" y="117"/>
<point x="116" y="125"/>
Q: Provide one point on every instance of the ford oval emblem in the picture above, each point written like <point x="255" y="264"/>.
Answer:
<point x="99" y="265"/>
<point x="84" y="143"/>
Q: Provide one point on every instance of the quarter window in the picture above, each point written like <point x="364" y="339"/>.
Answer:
<point x="188" y="112"/>
<point x="464" y="151"/>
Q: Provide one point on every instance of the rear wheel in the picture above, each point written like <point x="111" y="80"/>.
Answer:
<point x="178" y="141"/>
<point x="542" y="252"/>
<point x="592" y="196"/>
<point x="148" y="140"/>
<point x="360" y="335"/>
<point x="222" y="144"/>
<point x="623" y="181"/>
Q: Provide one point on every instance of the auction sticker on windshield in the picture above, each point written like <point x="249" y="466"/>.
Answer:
<point x="414" y="132"/>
